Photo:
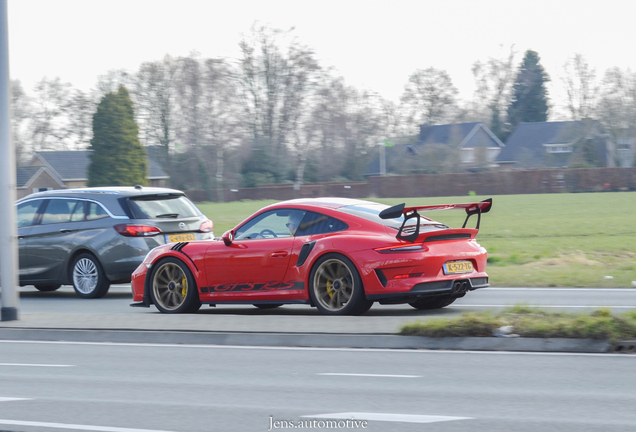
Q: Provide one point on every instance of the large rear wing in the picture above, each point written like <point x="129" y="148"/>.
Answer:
<point x="412" y="212"/>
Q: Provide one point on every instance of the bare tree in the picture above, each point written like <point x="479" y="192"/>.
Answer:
<point x="617" y="99"/>
<point x="221" y="117"/>
<point x="49" y="122"/>
<point x="276" y="77"/>
<point x="21" y="112"/>
<point x="156" y="105"/>
<point x="581" y="87"/>
<point x="81" y="108"/>
<point x="494" y="80"/>
<point x="429" y="96"/>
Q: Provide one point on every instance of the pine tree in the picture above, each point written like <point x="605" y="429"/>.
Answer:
<point x="530" y="96"/>
<point x="117" y="157"/>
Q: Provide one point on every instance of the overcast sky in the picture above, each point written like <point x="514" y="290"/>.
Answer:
<point x="373" y="44"/>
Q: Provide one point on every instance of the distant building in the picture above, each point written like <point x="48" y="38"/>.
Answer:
<point x="66" y="170"/>
<point x="556" y="145"/>
<point x="626" y="147"/>
<point x="474" y="146"/>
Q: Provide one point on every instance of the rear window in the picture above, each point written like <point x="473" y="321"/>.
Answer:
<point x="372" y="211"/>
<point x="164" y="206"/>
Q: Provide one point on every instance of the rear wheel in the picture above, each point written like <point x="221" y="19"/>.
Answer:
<point x="336" y="288"/>
<point x="47" y="288"/>
<point x="89" y="280"/>
<point x="433" y="302"/>
<point x="173" y="289"/>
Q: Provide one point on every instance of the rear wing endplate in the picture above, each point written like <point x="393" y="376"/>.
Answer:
<point x="412" y="212"/>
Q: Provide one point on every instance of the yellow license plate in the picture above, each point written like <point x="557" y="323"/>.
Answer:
<point x="173" y="238"/>
<point x="458" y="267"/>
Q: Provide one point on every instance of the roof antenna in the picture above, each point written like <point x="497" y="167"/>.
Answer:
<point x="138" y="187"/>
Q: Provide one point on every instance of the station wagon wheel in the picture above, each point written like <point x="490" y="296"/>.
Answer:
<point x="172" y="288"/>
<point x="89" y="280"/>
<point x="336" y="288"/>
<point x="47" y="288"/>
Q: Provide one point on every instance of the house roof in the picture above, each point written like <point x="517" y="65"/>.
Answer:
<point x="73" y="165"/>
<point x="533" y="136"/>
<point x="465" y="135"/>
<point x="24" y="174"/>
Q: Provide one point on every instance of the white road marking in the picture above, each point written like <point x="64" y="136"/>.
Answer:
<point x="277" y="348"/>
<point x="558" y="289"/>
<point x="34" y="365"/>
<point x="8" y="399"/>
<point x="370" y="375"/>
<point x="405" y="418"/>
<point x="74" y="426"/>
<point x="459" y="306"/>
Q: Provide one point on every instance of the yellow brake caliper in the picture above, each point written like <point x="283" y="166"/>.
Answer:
<point x="329" y="288"/>
<point x="184" y="286"/>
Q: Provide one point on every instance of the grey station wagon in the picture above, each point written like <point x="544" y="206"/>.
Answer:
<point x="93" y="237"/>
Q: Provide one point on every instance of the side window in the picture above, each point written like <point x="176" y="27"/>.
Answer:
<point x="272" y="224"/>
<point x="58" y="211"/>
<point x="78" y="213"/>
<point x="27" y="212"/>
<point x="95" y="211"/>
<point x="316" y="223"/>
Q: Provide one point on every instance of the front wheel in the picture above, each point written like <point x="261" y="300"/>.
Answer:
<point x="172" y="288"/>
<point x="336" y="288"/>
<point x="89" y="280"/>
<point x="433" y="303"/>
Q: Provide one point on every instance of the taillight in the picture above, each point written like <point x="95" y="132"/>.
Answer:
<point x="206" y="226"/>
<point x="134" y="230"/>
<point x="413" y="247"/>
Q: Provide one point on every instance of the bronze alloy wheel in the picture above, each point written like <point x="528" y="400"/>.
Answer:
<point x="336" y="287"/>
<point x="173" y="289"/>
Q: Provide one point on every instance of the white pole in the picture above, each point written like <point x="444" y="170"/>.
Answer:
<point x="8" y="233"/>
<point x="382" y="158"/>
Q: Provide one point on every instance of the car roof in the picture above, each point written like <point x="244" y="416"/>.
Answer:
<point x="115" y="191"/>
<point x="326" y="202"/>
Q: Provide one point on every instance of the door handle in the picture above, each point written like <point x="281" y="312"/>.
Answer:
<point x="64" y="230"/>
<point x="280" y="254"/>
<point x="20" y="237"/>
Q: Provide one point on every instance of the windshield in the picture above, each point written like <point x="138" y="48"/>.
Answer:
<point x="372" y="211"/>
<point x="163" y="207"/>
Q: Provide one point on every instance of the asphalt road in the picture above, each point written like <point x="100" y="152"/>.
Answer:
<point x="63" y="310"/>
<point x="121" y="388"/>
<point x="119" y="298"/>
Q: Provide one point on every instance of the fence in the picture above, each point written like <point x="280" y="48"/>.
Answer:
<point x="435" y="185"/>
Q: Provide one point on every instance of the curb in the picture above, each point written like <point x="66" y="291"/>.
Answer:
<point x="318" y="340"/>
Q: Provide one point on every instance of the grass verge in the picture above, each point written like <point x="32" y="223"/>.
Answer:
<point x="531" y="322"/>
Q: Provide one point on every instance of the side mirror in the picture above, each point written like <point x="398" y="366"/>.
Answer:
<point x="228" y="237"/>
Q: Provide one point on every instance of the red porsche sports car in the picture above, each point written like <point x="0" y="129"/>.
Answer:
<point x="339" y="255"/>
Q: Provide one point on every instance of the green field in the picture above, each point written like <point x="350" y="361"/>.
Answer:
<point x="573" y="240"/>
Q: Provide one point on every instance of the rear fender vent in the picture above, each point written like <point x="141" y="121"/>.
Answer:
<point x="381" y="277"/>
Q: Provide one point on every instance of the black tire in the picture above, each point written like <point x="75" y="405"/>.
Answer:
<point x="47" y="288"/>
<point x="172" y="287"/>
<point x="336" y="288"/>
<point x="433" y="302"/>
<point x="268" y="306"/>
<point x="89" y="280"/>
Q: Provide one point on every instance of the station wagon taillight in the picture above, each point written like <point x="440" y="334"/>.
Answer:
<point x="136" y="230"/>
<point x="206" y="226"/>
